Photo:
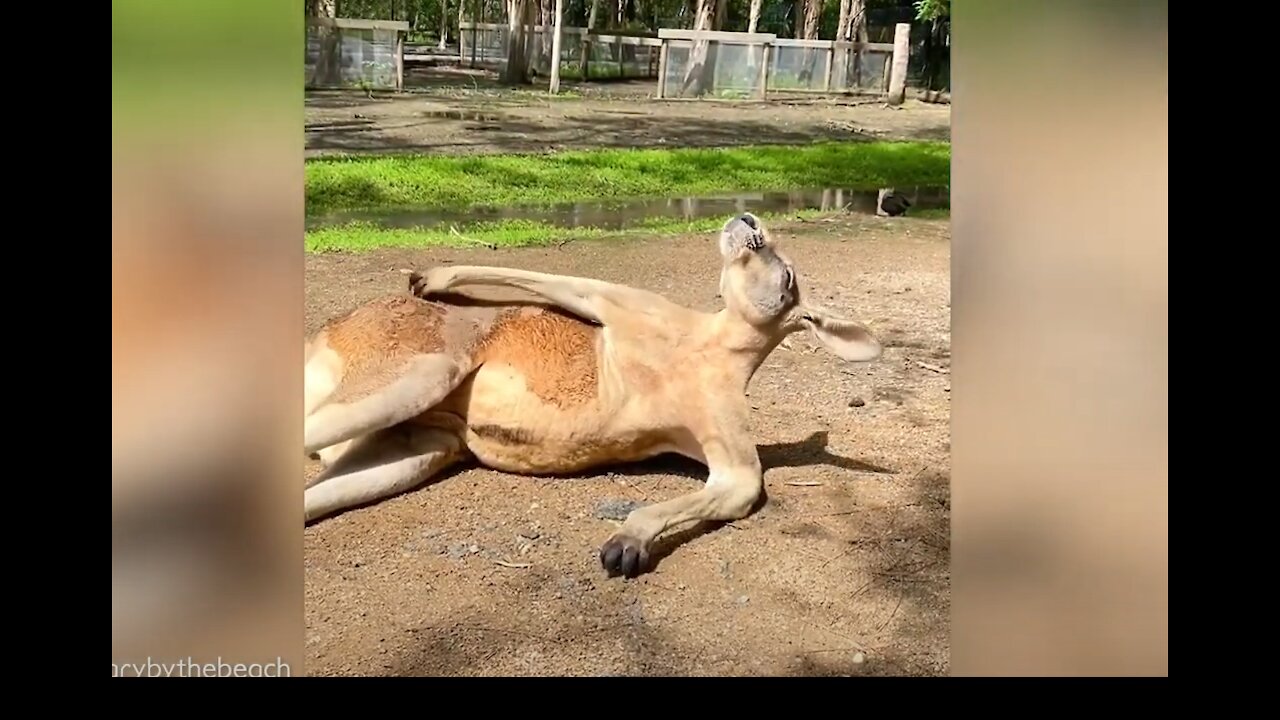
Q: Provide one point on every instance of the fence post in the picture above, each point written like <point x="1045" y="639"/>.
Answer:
<point x="555" y="49"/>
<point x="399" y="60"/>
<point x="764" y="71"/>
<point x="901" y="55"/>
<point x="662" y="69"/>
<point x="831" y="62"/>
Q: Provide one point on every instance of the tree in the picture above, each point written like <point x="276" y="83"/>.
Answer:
<point x="755" y="16"/>
<point x="698" y="78"/>
<point x="444" y="24"/>
<point x="809" y="31"/>
<point x="812" y="19"/>
<point x="555" y="49"/>
<point x="521" y="16"/>
<point x="929" y="10"/>
<point x="852" y="26"/>
<point x="327" y="68"/>
<point x="937" y="15"/>
<point x="585" y="58"/>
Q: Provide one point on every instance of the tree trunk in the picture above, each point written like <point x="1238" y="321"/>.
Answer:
<point x="327" y="70"/>
<point x="555" y="48"/>
<point x="585" y="53"/>
<point x="857" y="33"/>
<point x="852" y="27"/>
<point x="812" y="16"/>
<point x="522" y="15"/>
<point x="809" y="31"/>
<point x="842" y="25"/>
<point x="444" y="24"/>
<point x="698" y="78"/>
<point x="545" y="39"/>
<point x="756" y="51"/>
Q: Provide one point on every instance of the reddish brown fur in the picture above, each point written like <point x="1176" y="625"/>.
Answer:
<point x="384" y="329"/>
<point x="556" y="354"/>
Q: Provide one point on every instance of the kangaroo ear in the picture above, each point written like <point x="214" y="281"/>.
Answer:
<point x="845" y="339"/>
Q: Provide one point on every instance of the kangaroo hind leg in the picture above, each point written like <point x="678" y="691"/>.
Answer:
<point x="389" y="462"/>
<point x="386" y="395"/>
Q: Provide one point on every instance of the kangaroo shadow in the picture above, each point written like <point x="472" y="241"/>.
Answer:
<point x="808" y="452"/>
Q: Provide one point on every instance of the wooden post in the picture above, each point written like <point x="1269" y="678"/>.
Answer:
<point x="901" y="54"/>
<point x="399" y="61"/>
<point x="462" y="46"/>
<point x="764" y="71"/>
<point x="831" y="61"/>
<point x="662" y="69"/>
<point x="555" y="49"/>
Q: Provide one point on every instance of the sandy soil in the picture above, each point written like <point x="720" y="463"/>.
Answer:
<point x="454" y="111"/>
<point x="848" y="576"/>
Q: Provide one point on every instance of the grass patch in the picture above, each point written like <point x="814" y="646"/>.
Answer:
<point x="359" y="236"/>
<point x="941" y="213"/>
<point x="363" y="182"/>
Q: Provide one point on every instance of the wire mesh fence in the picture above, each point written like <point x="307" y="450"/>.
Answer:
<point x="347" y="52"/>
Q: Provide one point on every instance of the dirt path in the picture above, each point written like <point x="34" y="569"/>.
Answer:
<point x="467" y="113"/>
<point x="413" y="585"/>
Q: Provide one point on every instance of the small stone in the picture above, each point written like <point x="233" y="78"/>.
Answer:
<point x="856" y="402"/>
<point x="743" y="599"/>
<point x="615" y="509"/>
<point x="858" y="658"/>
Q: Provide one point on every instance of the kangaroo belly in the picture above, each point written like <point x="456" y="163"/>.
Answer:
<point x="538" y="402"/>
<point x="512" y="426"/>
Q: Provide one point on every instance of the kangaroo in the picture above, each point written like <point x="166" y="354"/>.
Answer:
<point x="587" y="374"/>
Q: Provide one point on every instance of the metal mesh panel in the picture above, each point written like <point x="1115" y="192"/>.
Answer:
<point x="350" y="57"/>
<point x="868" y="73"/>
<point x="486" y="45"/>
<point x="797" y="68"/>
<point x="731" y="70"/>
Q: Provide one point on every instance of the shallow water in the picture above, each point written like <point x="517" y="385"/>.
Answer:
<point x="626" y="213"/>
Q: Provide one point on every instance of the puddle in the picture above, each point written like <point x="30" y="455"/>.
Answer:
<point x="461" y="115"/>
<point x="623" y="214"/>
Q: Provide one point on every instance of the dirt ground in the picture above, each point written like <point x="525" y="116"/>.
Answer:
<point x="457" y="111"/>
<point x="845" y="571"/>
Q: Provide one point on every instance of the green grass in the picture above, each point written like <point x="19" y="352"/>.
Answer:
<point x="435" y="181"/>
<point x="356" y="237"/>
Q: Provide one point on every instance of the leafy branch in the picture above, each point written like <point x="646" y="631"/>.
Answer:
<point x="927" y="10"/>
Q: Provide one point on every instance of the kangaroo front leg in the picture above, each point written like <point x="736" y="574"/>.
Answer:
<point x="733" y="487"/>
<point x="590" y="299"/>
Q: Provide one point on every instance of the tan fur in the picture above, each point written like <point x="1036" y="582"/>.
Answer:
<point x="589" y="374"/>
